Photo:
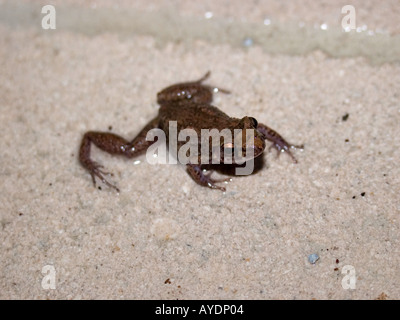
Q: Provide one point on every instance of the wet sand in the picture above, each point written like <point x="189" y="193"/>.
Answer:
<point x="163" y="236"/>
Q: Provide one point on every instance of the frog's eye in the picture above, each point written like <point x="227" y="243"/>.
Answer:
<point x="254" y="122"/>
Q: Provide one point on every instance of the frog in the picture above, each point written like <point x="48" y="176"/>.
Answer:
<point x="189" y="104"/>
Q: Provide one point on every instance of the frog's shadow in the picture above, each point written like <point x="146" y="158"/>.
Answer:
<point x="230" y="169"/>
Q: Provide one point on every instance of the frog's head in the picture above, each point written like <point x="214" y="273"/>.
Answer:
<point x="247" y="140"/>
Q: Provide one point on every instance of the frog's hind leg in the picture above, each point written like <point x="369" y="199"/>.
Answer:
<point x="278" y="142"/>
<point x="204" y="78"/>
<point x="194" y="91"/>
<point x="112" y="144"/>
<point x="211" y="88"/>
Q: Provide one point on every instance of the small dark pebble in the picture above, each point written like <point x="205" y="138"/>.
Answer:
<point x="362" y="194"/>
<point x="346" y="140"/>
<point x="345" y="117"/>
<point x="99" y="187"/>
<point x="354" y="197"/>
<point x="337" y="260"/>
<point x="110" y="128"/>
<point x="336" y="269"/>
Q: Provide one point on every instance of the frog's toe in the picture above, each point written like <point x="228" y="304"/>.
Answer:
<point x="208" y="176"/>
<point x="211" y="183"/>
<point x="205" y="77"/>
<point x="109" y="184"/>
<point x="280" y="148"/>
<point x="101" y="172"/>
<point x="95" y="171"/>
<point x="214" y="186"/>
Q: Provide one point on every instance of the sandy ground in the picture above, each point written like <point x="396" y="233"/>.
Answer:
<point x="163" y="236"/>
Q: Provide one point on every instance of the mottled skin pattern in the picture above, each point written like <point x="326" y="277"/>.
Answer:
<point x="189" y="105"/>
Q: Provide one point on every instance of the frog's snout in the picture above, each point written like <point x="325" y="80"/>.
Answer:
<point x="253" y="147"/>
<point x="259" y="144"/>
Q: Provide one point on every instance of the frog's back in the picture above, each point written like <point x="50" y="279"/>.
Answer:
<point x="193" y="115"/>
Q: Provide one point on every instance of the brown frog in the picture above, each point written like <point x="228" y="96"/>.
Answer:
<point x="189" y="105"/>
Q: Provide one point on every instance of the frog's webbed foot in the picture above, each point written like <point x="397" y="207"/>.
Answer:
<point x="199" y="177"/>
<point x="285" y="148"/>
<point x="95" y="171"/>
<point x="278" y="142"/>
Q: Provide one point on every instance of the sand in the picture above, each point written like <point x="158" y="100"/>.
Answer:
<point x="163" y="236"/>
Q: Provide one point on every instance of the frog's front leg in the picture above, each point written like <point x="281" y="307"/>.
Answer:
<point x="202" y="179"/>
<point x="112" y="144"/>
<point x="278" y="142"/>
